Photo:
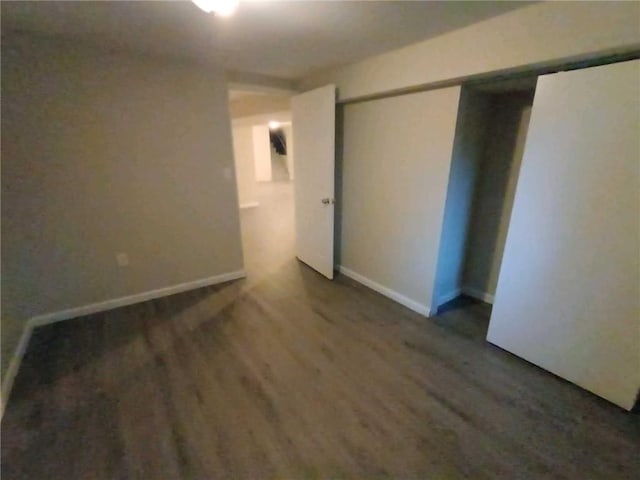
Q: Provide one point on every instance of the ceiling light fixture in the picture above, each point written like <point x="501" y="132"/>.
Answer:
<point x="273" y="125"/>
<point x="223" y="8"/>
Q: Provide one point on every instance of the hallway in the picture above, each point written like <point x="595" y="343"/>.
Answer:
<point x="288" y="375"/>
<point x="268" y="231"/>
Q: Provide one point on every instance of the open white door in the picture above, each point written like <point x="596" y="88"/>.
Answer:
<point x="313" y="122"/>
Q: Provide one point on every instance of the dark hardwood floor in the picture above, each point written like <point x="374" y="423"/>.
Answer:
<point x="287" y="375"/>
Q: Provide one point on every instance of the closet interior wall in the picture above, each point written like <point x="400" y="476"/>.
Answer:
<point x="495" y="187"/>
<point x="489" y="142"/>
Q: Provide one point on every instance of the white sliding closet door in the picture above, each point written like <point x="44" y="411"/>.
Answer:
<point x="568" y="296"/>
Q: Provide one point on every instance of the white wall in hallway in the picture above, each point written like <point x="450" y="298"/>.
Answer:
<point x="262" y="152"/>
<point x="263" y="119"/>
<point x="259" y="104"/>
<point x="243" y="152"/>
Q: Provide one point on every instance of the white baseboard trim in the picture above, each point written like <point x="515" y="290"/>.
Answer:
<point x="250" y="205"/>
<point x="387" y="292"/>
<point x="449" y="296"/>
<point x="14" y="365"/>
<point x="478" y="294"/>
<point x="45" y="319"/>
<point x="131" y="299"/>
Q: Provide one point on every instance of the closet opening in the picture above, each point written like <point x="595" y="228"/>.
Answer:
<point x="490" y="135"/>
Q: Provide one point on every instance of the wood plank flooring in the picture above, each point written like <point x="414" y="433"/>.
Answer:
<point x="286" y="375"/>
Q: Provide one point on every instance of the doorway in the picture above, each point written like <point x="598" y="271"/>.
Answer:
<point x="261" y="130"/>
<point x="264" y="155"/>
<point x="493" y="119"/>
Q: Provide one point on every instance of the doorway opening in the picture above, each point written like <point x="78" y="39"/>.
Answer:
<point x="261" y="130"/>
<point x="309" y="236"/>
<point x="493" y="120"/>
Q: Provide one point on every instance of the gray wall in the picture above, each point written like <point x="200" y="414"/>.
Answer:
<point x="103" y="154"/>
<point x="395" y="160"/>
<point x="468" y="149"/>
<point x="505" y="138"/>
<point x="538" y="34"/>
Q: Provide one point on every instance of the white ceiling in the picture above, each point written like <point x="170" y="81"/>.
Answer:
<point x="285" y="39"/>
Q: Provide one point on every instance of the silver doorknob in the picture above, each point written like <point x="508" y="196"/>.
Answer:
<point x="328" y="201"/>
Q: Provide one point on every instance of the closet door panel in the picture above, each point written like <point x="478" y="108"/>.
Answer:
<point x="568" y="295"/>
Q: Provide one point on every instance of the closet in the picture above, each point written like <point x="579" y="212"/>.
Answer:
<point x="554" y="233"/>
<point x="490" y="133"/>
<point x="568" y="293"/>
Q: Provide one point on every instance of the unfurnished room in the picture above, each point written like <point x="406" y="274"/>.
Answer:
<point x="264" y="239"/>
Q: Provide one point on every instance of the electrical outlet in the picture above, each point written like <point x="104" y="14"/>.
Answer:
<point x="122" y="259"/>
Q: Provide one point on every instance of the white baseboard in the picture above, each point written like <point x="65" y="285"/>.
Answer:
<point x="14" y="365"/>
<point x="449" y="296"/>
<point x="478" y="294"/>
<point x="249" y="205"/>
<point x="45" y="319"/>
<point x="387" y="292"/>
<point x="131" y="299"/>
